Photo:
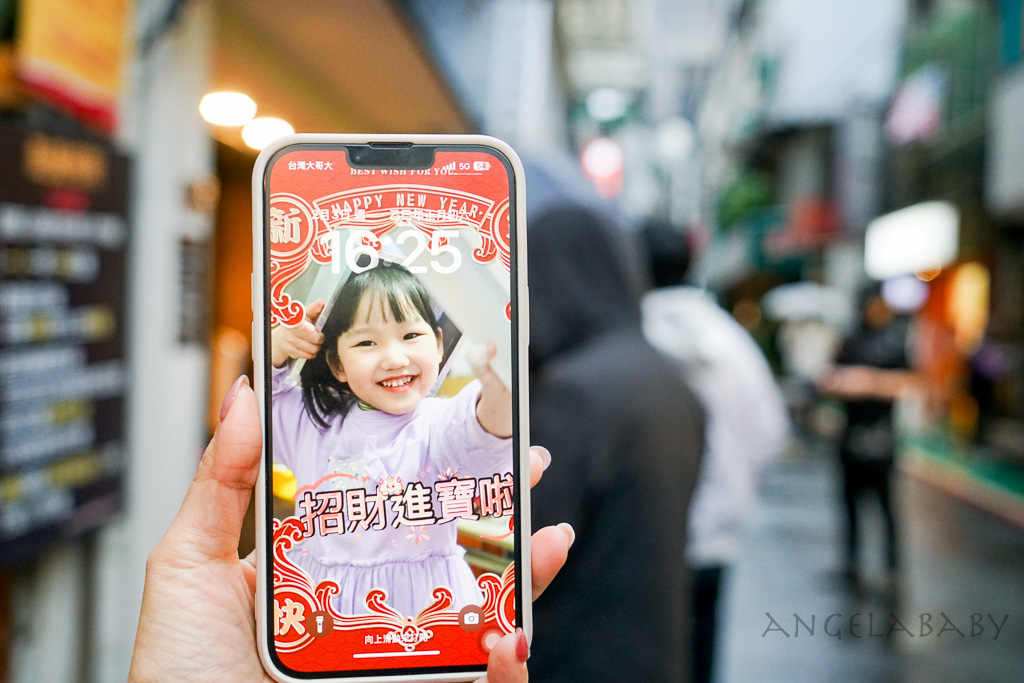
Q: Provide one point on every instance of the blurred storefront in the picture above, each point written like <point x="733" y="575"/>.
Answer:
<point x="1004" y="199"/>
<point x="379" y="79"/>
<point x="814" y="124"/>
<point x="112" y="98"/>
<point x="952" y="129"/>
<point x="102" y="433"/>
<point x="935" y="128"/>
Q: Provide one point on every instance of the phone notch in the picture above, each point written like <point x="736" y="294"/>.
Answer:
<point x="385" y="155"/>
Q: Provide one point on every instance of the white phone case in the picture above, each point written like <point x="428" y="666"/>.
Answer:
<point x="523" y="524"/>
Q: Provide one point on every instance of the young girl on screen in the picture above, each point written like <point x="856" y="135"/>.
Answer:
<point x="362" y="429"/>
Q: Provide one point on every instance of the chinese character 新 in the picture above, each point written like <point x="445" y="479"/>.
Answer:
<point x="285" y="227"/>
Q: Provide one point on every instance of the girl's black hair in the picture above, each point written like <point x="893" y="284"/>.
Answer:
<point x="322" y="393"/>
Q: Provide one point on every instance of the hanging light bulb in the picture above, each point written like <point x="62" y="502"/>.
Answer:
<point x="260" y="132"/>
<point x="227" y="108"/>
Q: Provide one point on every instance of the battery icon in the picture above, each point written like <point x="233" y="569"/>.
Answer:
<point x="481" y="165"/>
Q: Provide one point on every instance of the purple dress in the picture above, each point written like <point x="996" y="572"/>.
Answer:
<point x="404" y="456"/>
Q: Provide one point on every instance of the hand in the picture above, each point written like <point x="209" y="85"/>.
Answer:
<point x="301" y="341"/>
<point x="198" y="608"/>
<point x="858" y="382"/>
<point x="494" y="409"/>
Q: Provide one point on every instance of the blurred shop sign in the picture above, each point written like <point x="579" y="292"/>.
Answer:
<point x="915" y="112"/>
<point x="63" y="244"/>
<point x="919" y="238"/>
<point x="1004" y="188"/>
<point x="811" y="224"/>
<point x="71" y="53"/>
<point x="603" y="162"/>
<point x="193" y="310"/>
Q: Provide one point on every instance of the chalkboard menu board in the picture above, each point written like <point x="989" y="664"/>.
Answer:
<point x="63" y="243"/>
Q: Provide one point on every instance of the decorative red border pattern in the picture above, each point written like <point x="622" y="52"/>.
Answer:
<point x="369" y="641"/>
<point x="299" y="229"/>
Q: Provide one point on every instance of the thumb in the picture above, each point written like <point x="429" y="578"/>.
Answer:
<point x="507" y="661"/>
<point x="479" y="357"/>
<point x="209" y="522"/>
<point x="314" y="310"/>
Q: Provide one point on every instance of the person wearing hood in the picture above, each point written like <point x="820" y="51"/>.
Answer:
<point x="628" y="435"/>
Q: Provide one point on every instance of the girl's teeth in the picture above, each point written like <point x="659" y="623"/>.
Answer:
<point x="392" y="383"/>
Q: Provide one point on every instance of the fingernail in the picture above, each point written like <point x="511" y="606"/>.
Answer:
<point x="229" y="398"/>
<point x="567" y="528"/>
<point x="545" y="455"/>
<point x="522" y="647"/>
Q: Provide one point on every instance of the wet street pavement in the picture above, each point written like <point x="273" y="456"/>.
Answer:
<point x="787" y="614"/>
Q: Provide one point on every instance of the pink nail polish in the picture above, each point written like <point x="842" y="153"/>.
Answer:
<point x="522" y="647"/>
<point x="229" y="398"/>
<point x="545" y="455"/>
<point x="570" y="532"/>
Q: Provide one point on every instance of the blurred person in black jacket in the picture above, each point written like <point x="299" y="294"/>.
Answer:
<point x="871" y="372"/>
<point x="627" y="435"/>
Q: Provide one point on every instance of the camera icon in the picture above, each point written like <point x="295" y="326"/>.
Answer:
<point x="471" y="618"/>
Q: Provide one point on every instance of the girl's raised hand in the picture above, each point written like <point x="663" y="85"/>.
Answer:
<point x="301" y="341"/>
<point x="494" y="411"/>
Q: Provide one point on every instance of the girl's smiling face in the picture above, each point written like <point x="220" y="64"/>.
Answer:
<point x="388" y="364"/>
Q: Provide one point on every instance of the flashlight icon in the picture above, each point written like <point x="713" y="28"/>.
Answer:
<point x="319" y="624"/>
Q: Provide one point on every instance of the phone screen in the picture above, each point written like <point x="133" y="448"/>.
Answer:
<point x="392" y="407"/>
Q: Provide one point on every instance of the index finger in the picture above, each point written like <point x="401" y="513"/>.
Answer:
<point x="314" y="310"/>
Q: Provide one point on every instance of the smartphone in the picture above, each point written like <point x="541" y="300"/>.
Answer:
<point x="389" y="347"/>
